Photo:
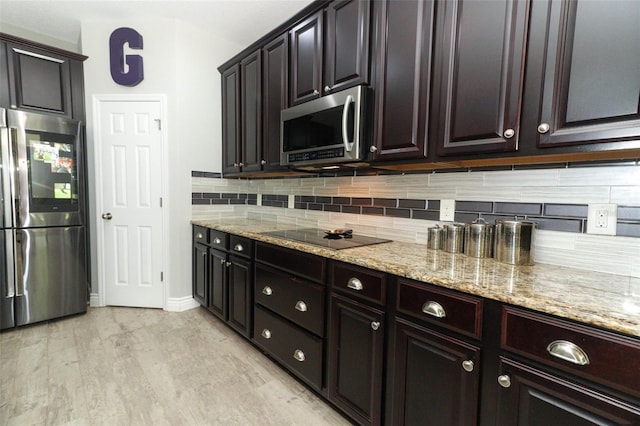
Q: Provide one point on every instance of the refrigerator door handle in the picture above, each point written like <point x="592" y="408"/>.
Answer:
<point x="7" y="172"/>
<point x="19" y="257"/>
<point x="9" y="245"/>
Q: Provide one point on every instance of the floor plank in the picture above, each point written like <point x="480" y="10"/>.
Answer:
<point x="128" y="366"/>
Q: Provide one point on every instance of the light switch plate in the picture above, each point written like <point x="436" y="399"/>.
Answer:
<point x="602" y="219"/>
<point x="447" y="210"/>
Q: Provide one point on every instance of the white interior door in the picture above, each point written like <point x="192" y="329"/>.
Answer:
<point x="131" y="157"/>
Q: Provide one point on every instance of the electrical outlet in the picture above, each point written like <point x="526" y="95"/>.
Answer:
<point x="447" y="210"/>
<point x="602" y="219"/>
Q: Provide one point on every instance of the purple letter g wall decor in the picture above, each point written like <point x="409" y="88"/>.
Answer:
<point x="117" y="57"/>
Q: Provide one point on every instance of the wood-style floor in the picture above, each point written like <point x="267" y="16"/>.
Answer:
<point x="124" y="366"/>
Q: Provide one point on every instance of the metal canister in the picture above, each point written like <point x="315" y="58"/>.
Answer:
<point x="478" y="239"/>
<point x="514" y="241"/>
<point x="454" y="237"/>
<point x="435" y="238"/>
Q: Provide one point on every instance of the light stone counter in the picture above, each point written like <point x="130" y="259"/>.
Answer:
<point x="605" y="300"/>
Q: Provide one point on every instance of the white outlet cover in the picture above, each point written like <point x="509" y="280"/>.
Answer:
<point x="598" y="227"/>
<point x="447" y="210"/>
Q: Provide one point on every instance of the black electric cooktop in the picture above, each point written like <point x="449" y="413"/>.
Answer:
<point x="322" y="238"/>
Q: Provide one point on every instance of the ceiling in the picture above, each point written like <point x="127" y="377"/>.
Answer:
<point x="240" y="21"/>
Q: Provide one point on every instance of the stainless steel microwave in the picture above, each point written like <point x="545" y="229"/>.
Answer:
<point x="326" y="131"/>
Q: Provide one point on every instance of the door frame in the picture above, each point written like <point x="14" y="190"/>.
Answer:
<point x="98" y="100"/>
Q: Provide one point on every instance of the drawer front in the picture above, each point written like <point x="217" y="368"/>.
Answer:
<point x="359" y="282"/>
<point x="298" y="350"/>
<point x="240" y="246"/>
<point x="218" y="239"/>
<point x="200" y="234"/>
<point x="302" y="264"/>
<point x="300" y="301"/>
<point x="459" y="312"/>
<point x="605" y="357"/>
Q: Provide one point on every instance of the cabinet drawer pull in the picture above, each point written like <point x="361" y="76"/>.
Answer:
<point x="266" y="333"/>
<point x="217" y="240"/>
<point x="568" y="351"/>
<point x="355" y="284"/>
<point x="504" y="381"/>
<point x="199" y="235"/>
<point x="434" y="309"/>
<point x="298" y="355"/>
<point x="238" y="247"/>
<point x="267" y="290"/>
<point x="375" y="325"/>
<point x="301" y="306"/>
<point x="468" y="365"/>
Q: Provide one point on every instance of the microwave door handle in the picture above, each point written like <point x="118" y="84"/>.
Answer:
<point x="345" y="122"/>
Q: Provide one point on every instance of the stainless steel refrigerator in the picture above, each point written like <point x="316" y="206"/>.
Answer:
<point x="43" y="259"/>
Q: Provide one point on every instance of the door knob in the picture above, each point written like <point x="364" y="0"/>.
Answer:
<point x="106" y="216"/>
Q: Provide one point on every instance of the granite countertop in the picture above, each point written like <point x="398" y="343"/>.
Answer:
<point x="600" y="299"/>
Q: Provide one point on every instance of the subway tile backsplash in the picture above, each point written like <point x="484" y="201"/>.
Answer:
<point x="406" y="205"/>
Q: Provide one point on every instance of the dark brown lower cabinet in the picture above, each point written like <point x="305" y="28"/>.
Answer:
<point x="435" y="378"/>
<point x="355" y="359"/>
<point x="529" y="396"/>
<point x="295" y="348"/>
<point x="199" y="280"/>
<point x="217" y="280"/>
<point x="240" y="295"/>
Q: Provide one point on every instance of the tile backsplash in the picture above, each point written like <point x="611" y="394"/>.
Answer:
<point x="403" y="206"/>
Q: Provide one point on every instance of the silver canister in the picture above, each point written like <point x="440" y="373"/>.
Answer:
<point x="478" y="239"/>
<point x="435" y="238"/>
<point x="454" y="237"/>
<point x="514" y="241"/>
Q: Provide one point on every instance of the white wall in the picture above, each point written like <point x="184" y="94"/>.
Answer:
<point x="179" y="62"/>
<point x="39" y="38"/>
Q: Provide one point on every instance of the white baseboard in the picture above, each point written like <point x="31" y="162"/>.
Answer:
<point x="94" y="300"/>
<point x="179" y="304"/>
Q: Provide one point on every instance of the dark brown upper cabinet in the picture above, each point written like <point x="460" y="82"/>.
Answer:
<point x="583" y="74"/>
<point x="306" y="59"/>
<point x="231" y="120"/>
<point x="346" y="44"/>
<point x="404" y="38"/>
<point x="41" y="79"/>
<point x="478" y="76"/>
<point x="330" y="50"/>
<point x="251" y="116"/>
<point x="274" y="98"/>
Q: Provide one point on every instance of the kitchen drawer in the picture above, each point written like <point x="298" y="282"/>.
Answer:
<point x="300" y="301"/>
<point x="200" y="234"/>
<point x="608" y="358"/>
<point x="359" y="282"/>
<point x="218" y="239"/>
<point x="240" y="246"/>
<point x="452" y="310"/>
<point x="302" y="264"/>
<point x="299" y="351"/>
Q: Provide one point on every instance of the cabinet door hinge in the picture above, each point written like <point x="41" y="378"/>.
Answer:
<point x="161" y="276"/>
<point x="160" y="201"/>
<point x="157" y="120"/>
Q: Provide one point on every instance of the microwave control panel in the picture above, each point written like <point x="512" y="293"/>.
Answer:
<point x="323" y="154"/>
